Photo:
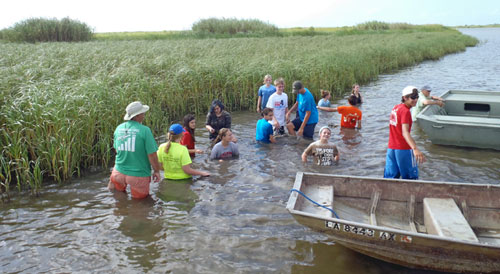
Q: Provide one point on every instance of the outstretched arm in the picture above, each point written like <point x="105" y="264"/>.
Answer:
<point x="304" y="157"/>
<point x="188" y="170"/>
<point x="419" y="156"/>
<point x="327" y="109"/>
<point x="300" y="132"/>
<point x="294" y="107"/>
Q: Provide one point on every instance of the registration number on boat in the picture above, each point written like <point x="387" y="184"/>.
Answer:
<point x="351" y="228"/>
<point x="367" y="232"/>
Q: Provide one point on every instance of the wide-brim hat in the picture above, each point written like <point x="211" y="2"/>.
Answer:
<point x="133" y="109"/>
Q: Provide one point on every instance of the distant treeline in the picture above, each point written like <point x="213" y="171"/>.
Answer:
<point x="479" y="26"/>
<point x="47" y="30"/>
<point x="233" y="28"/>
<point x="50" y="30"/>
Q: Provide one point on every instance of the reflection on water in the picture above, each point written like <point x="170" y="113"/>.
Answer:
<point x="327" y="257"/>
<point x="235" y="221"/>
<point x="137" y="223"/>
<point x="351" y="137"/>
<point x="177" y="193"/>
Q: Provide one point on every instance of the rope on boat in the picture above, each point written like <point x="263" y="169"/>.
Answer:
<point x="305" y="196"/>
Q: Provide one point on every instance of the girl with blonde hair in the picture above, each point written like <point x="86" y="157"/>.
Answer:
<point x="175" y="158"/>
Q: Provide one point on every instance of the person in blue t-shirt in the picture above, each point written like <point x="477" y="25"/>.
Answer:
<point x="264" y="131"/>
<point x="305" y="123"/>
<point x="265" y="91"/>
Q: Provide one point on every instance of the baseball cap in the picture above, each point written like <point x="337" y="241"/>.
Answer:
<point x="176" y="129"/>
<point x="408" y="90"/>
<point x="426" y="87"/>
<point x="297" y="85"/>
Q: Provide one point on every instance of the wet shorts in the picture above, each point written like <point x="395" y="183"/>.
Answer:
<point x="308" y="129"/>
<point x="400" y="163"/>
<point x="139" y="186"/>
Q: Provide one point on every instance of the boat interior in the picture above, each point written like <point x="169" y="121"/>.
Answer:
<point x="470" y="104"/>
<point x="465" y="212"/>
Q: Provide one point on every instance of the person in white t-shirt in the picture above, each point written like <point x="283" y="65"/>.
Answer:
<point x="279" y="103"/>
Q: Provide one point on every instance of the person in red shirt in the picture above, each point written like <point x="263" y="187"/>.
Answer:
<point x="188" y="137"/>
<point x="403" y="156"/>
<point x="351" y="115"/>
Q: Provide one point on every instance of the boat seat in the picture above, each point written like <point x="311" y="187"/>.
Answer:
<point x="323" y="195"/>
<point x="442" y="217"/>
<point x="468" y="120"/>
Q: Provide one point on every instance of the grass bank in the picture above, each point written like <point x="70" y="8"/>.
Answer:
<point x="62" y="101"/>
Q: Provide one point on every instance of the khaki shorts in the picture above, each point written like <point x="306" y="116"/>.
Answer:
<point x="139" y="186"/>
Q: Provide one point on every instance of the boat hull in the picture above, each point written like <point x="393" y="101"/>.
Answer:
<point x="469" y="119"/>
<point x="407" y="249"/>
<point x="391" y="225"/>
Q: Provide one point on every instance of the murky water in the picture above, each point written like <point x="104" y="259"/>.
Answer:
<point x="235" y="221"/>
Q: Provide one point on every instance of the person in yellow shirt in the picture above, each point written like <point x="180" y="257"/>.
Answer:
<point x="175" y="158"/>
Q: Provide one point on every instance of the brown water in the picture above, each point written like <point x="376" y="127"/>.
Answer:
<point x="235" y="221"/>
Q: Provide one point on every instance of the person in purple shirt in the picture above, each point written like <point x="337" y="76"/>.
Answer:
<point x="265" y="91"/>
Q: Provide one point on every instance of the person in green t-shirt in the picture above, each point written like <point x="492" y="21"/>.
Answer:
<point x="135" y="154"/>
<point x="175" y="158"/>
<point x="425" y="99"/>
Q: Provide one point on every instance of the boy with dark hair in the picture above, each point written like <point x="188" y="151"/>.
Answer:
<point x="264" y="131"/>
<point x="403" y="156"/>
<point x="351" y="115"/>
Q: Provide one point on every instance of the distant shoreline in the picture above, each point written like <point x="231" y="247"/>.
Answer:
<point x="477" y="26"/>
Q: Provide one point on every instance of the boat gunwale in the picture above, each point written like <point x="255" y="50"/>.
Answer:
<point x="293" y="198"/>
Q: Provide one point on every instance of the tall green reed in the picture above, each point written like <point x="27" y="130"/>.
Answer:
<point x="61" y="102"/>
<point x="45" y="30"/>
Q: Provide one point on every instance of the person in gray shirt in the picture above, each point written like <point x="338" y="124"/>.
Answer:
<point x="224" y="148"/>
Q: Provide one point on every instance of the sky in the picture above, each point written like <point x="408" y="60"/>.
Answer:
<point x="157" y="15"/>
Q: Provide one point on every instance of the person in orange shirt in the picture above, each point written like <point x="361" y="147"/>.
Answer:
<point x="351" y="115"/>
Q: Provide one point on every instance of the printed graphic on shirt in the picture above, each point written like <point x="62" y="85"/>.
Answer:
<point x="126" y="139"/>
<point x="227" y="154"/>
<point x="394" y="118"/>
<point x="278" y="104"/>
<point x="325" y="156"/>
<point x="351" y="118"/>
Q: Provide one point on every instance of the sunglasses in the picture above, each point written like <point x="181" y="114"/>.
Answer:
<point x="414" y="96"/>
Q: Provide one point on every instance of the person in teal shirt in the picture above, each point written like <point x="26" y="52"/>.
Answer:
<point x="135" y="149"/>
<point x="305" y="123"/>
<point x="175" y="158"/>
<point x="264" y="130"/>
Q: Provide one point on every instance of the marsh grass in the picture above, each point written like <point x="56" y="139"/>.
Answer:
<point x="286" y="32"/>
<point x="233" y="26"/>
<point x="61" y="102"/>
<point x="34" y="30"/>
